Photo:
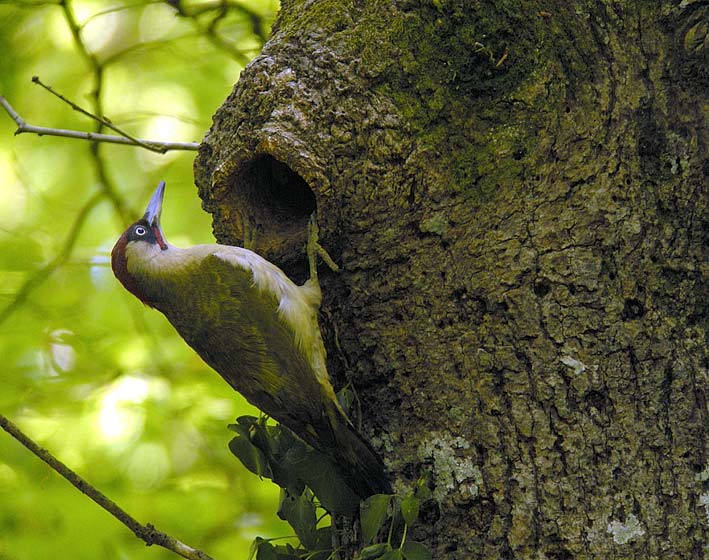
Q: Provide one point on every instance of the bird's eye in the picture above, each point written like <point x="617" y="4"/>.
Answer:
<point x="140" y="230"/>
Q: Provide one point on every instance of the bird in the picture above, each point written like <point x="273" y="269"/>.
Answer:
<point x="255" y="327"/>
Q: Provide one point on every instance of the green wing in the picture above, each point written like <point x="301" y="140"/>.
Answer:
<point x="236" y="329"/>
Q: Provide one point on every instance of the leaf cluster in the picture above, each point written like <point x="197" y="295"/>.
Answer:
<point x="309" y="482"/>
<point x="274" y="452"/>
<point x="384" y="511"/>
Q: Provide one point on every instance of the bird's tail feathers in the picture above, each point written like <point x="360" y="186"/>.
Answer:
<point x="357" y="460"/>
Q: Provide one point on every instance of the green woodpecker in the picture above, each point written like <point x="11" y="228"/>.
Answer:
<point x="255" y="327"/>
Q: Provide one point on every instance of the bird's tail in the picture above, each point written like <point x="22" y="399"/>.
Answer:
<point x="356" y="459"/>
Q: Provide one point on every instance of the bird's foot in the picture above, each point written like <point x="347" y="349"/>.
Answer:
<point x="314" y="249"/>
<point x="250" y="231"/>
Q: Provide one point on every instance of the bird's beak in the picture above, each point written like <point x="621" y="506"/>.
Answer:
<point x="152" y="214"/>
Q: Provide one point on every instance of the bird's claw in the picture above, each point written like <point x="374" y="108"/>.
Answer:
<point x="314" y="249"/>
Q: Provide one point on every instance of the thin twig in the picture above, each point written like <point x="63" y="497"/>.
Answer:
<point x="117" y="9"/>
<point x="103" y="121"/>
<point x="193" y="12"/>
<point x="147" y="533"/>
<point x="94" y="65"/>
<point x="146" y="45"/>
<point x="209" y="31"/>
<point x="153" y="145"/>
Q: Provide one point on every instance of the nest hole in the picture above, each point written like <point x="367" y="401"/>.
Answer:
<point x="275" y="193"/>
<point x="274" y="204"/>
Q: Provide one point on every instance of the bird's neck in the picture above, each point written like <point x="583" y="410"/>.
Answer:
<point x="145" y="269"/>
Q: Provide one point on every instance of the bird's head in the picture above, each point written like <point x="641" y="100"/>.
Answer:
<point x="139" y="244"/>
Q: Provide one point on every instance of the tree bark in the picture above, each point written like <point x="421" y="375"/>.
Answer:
<point x="516" y="192"/>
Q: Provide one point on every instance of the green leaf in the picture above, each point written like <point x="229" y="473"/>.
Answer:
<point x="266" y="551"/>
<point x="374" y="551"/>
<point x="286" y="552"/>
<point x="319" y="473"/>
<point x="246" y="421"/>
<point x="250" y="455"/>
<point x="263" y="438"/>
<point x="291" y="464"/>
<point x="258" y="541"/>
<point x="395" y="554"/>
<point x="346" y="398"/>
<point x="423" y="492"/>
<point x="410" y="509"/>
<point x="324" y="542"/>
<point x="416" y="551"/>
<point x="395" y="512"/>
<point x="299" y="512"/>
<point x="282" y="446"/>
<point x="373" y="512"/>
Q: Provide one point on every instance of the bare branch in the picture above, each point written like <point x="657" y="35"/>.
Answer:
<point x="103" y="121"/>
<point x="153" y="145"/>
<point x="147" y="533"/>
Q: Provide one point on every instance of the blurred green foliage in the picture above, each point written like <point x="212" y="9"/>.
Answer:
<point x="88" y="372"/>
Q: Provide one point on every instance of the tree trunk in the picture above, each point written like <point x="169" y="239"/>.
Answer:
<point x="516" y="192"/>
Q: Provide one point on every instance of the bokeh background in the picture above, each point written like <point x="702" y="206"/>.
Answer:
<point x="87" y="371"/>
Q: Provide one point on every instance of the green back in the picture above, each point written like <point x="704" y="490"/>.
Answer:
<point x="236" y="329"/>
